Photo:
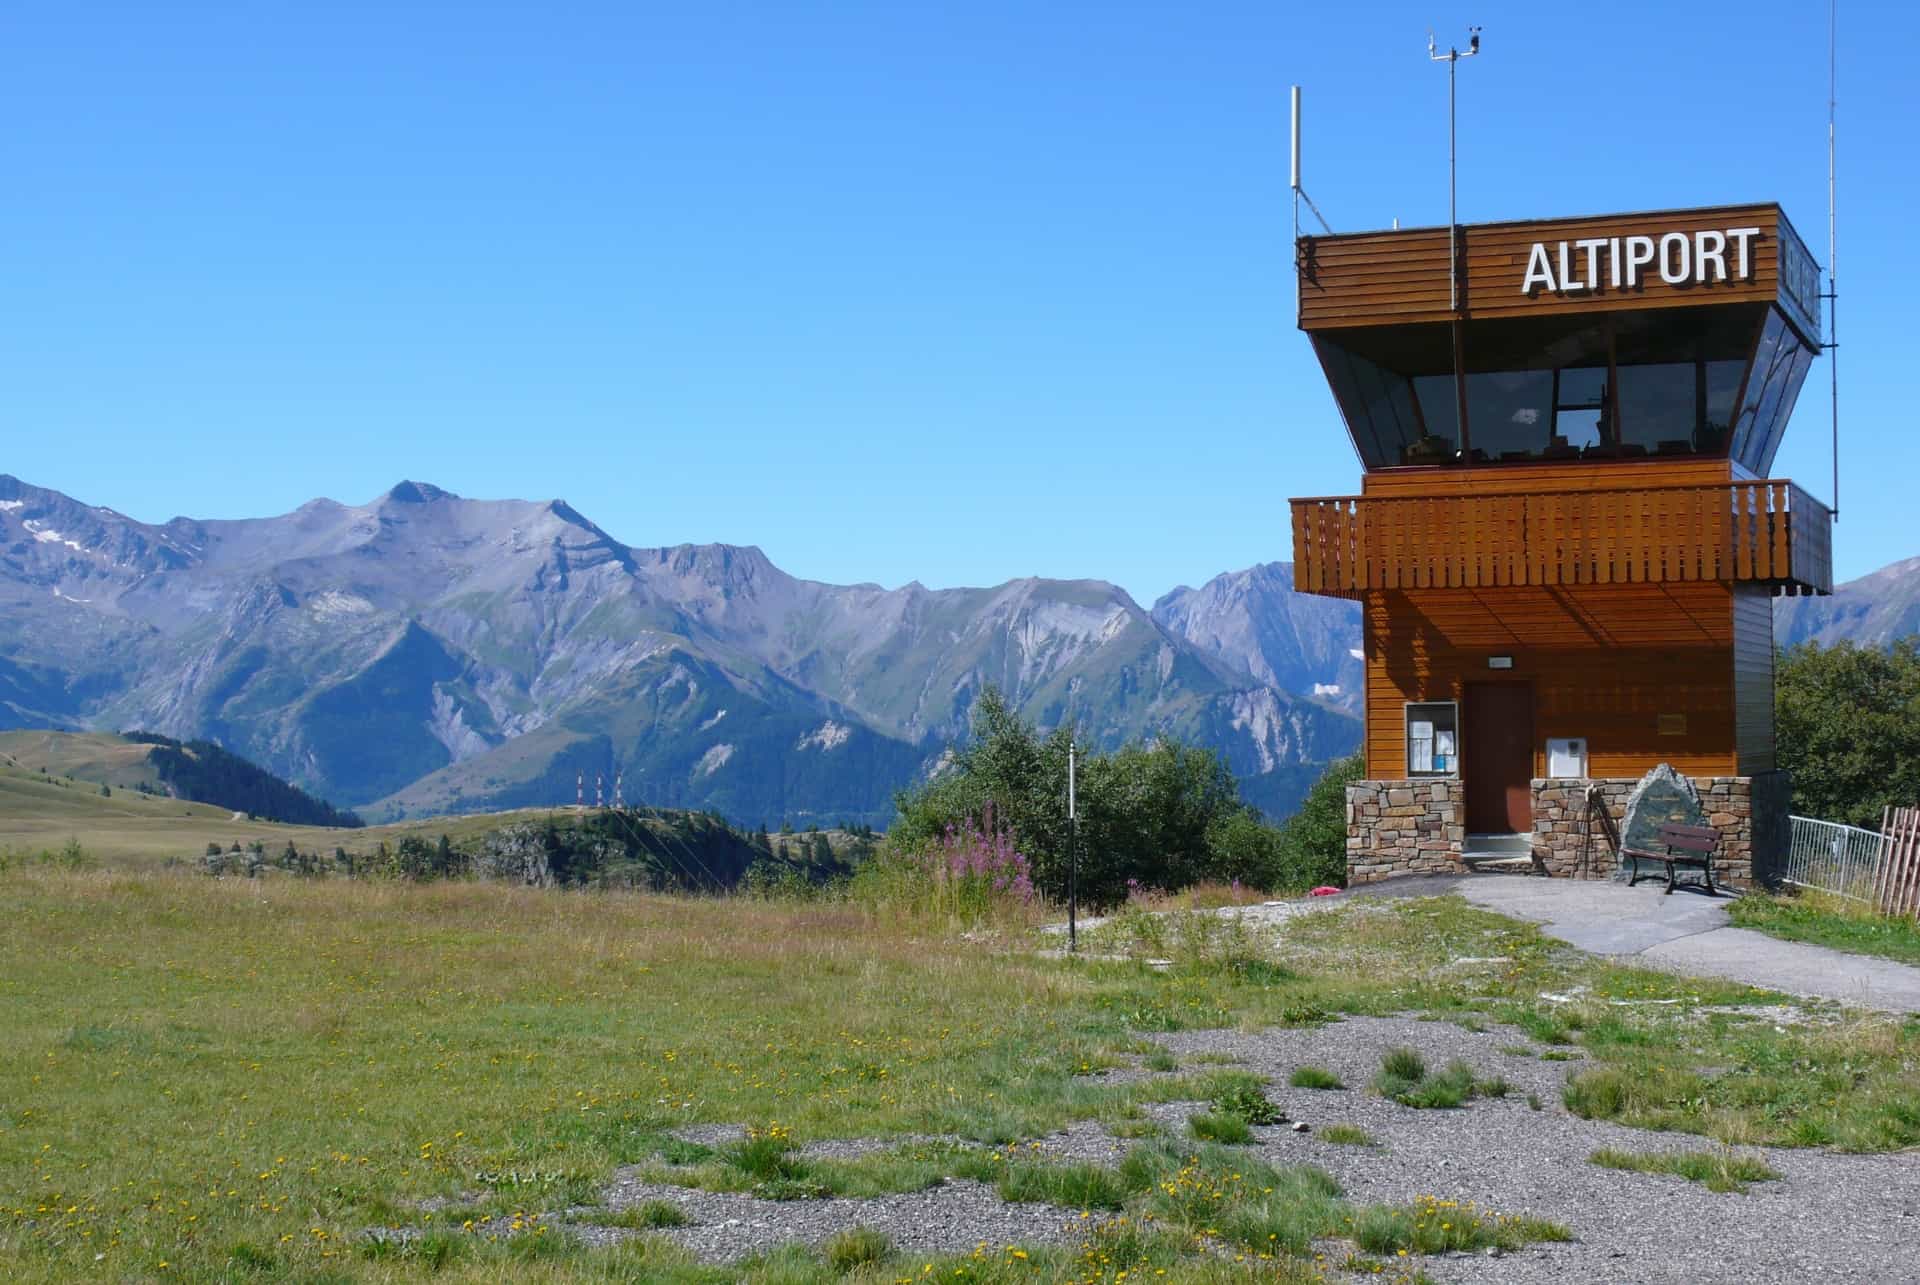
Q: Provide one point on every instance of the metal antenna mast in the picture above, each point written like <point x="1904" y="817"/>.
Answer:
<point x="1073" y="853"/>
<point x="1833" y="290"/>
<point x="1452" y="58"/>
<point x="1299" y="192"/>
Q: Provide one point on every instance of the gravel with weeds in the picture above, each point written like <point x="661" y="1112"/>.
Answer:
<point x="1530" y="1163"/>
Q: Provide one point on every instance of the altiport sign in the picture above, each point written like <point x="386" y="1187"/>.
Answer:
<point x="1623" y="262"/>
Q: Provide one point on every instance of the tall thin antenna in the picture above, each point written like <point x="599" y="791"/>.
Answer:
<point x="580" y="790"/>
<point x="1073" y="852"/>
<point x="599" y="790"/>
<point x="619" y="792"/>
<point x="1452" y="58"/>
<point x="1833" y="288"/>
<point x="1293" y="183"/>
<point x="1299" y="192"/>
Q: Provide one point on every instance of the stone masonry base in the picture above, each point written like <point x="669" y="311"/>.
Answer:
<point x="1404" y="828"/>
<point x="1750" y="812"/>
<point x="1419" y="827"/>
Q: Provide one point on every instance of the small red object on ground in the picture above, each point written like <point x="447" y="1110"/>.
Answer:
<point x="1323" y="891"/>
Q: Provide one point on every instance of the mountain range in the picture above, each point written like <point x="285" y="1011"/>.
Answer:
<point x="425" y="653"/>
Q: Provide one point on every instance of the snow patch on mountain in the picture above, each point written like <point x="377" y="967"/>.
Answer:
<point x="828" y="736"/>
<point x="331" y="603"/>
<point x="47" y="535"/>
<point x="715" y="719"/>
<point x="713" y="760"/>
<point x="8" y="506"/>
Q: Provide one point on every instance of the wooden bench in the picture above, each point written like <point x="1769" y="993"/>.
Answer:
<point x="1686" y="845"/>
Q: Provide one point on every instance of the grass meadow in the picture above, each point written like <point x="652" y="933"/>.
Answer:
<point x="243" y="1079"/>
<point x="1827" y="920"/>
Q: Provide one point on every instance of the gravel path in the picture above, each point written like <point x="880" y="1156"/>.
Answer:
<point x="955" y="1217"/>
<point x="1687" y="933"/>
<point x="1831" y="1217"/>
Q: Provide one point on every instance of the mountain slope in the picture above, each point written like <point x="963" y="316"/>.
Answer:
<point x="199" y="772"/>
<point x="1254" y="621"/>
<point x="1875" y="610"/>
<point x="425" y="651"/>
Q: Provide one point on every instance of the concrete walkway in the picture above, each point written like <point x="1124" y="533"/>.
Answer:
<point x="1687" y="932"/>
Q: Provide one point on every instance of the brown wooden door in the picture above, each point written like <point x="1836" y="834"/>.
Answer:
<point x="1496" y="754"/>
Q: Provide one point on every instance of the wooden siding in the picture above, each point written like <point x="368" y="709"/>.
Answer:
<point x="1606" y="662"/>
<point x="1753" y="679"/>
<point x="1399" y="277"/>
<point x="1399" y="538"/>
<point x="1589" y="475"/>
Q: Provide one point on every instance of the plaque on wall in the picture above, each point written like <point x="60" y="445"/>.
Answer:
<point x="1673" y="725"/>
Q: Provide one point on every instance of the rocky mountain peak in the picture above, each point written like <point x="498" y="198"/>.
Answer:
<point x="418" y="493"/>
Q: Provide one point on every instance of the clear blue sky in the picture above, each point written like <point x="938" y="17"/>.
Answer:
<point x="896" y="291"/>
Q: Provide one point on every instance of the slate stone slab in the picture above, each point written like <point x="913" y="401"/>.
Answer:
<point x="1663" y="797"/>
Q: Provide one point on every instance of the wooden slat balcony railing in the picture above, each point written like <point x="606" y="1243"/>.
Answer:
<point x="1771" y="531"/>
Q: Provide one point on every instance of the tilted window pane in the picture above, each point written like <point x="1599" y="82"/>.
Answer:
<point x="1510" y="414"/>
<point x="1584" y="386"/>
<point x="1657" y="408"/>
<point x="1723" y="385"/>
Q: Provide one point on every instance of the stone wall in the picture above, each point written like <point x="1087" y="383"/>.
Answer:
<point x="1404" y="828"/>
<point x="1749" y="811"/>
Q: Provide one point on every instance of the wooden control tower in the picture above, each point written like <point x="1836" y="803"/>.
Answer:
<point x="1567" y="540"/>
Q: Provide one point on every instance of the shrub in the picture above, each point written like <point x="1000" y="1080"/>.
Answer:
<point x="1249" y="1102"/>
<point x="1846" y="728"/>
<point x="970" y="874"/>
<point x="1312" y="845"/>
<point x="1165" y="814"/>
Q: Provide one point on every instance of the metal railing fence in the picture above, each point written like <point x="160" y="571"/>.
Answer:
<point x="1841" y="859"/>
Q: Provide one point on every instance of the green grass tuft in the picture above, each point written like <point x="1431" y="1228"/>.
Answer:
<point x="1346" y="1135"/>
<point x="1719" y="1170"/>
<point x="1314" y="1077"/>
<point x="651" y="1216"/>
<point x="1434" y="1226"/>
<point x="1404" y="1064"/>
<point x="1071" y="1186"/>
<point x="1219" y="1126"/>
<point x="857" y="1247"/>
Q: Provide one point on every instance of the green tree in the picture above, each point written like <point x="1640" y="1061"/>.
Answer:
<point x="1847" y="725"/>
<point x="1312" y="847"/>
<point x="413" y="857"/>
<point x="1164" y="815"/>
